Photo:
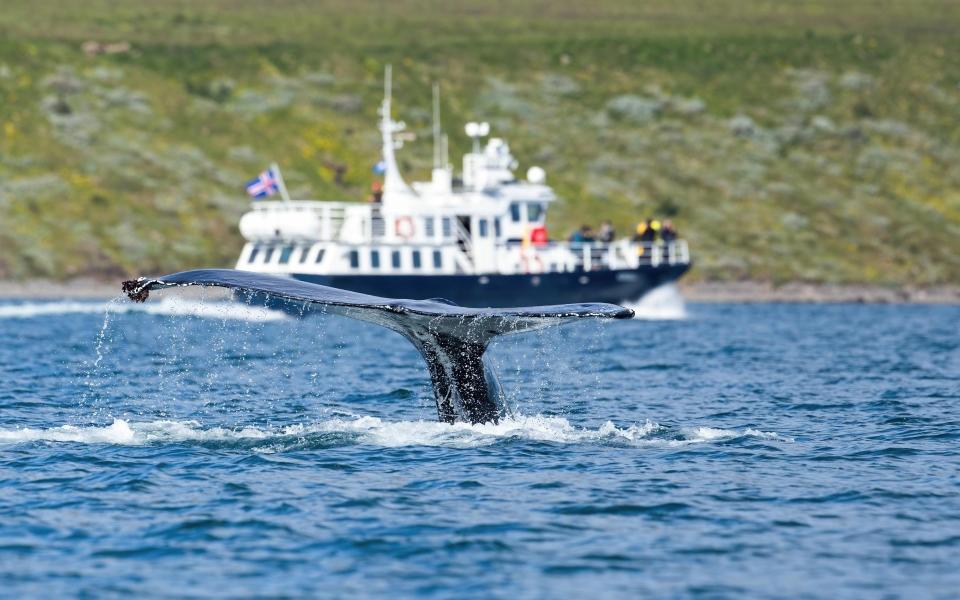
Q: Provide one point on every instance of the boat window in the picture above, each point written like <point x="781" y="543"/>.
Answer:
<point x="303" y="254"/>
<point x="428" y="223"/>
<point x="254" y="253"/>
<point x="514" y="212"/>
<point x="437" y="259"/>
<point x="395" y="259"/>
<point x="374" y="259"/>
<point x="268" y="255"/>
<point x="496" y="228"/>
<point x="285" y="254"/>
<point x="447" y="227"/>
<point x="534" y="210"/>
<point x="320" y="254"/>
<point x="416" y="259"/>
<point x="354" y="259"/>
<point x="483" y="228"/>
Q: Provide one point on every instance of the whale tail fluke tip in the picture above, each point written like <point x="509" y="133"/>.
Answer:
<point x="136" y="290"/>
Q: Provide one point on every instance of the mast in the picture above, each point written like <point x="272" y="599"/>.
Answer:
<point x="441" y="177"/>
<point x="393" y="183"/>
<point x="437" y="158"/>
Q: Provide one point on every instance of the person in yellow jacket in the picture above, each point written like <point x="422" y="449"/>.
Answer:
<point x="641" y="230"/>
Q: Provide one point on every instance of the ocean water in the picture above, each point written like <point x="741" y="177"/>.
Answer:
<point x="192" y="448"/>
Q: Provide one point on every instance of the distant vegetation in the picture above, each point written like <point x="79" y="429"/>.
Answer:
<point x="808" y="140"/>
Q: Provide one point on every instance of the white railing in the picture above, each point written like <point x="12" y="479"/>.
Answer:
<point x="296" y="220"/>
<point x="593" y="256"/>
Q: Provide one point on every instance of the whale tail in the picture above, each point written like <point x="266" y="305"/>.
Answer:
<point x="452" y="339"/>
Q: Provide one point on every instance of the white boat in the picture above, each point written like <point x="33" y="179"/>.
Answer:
<point x="479" y="239"/>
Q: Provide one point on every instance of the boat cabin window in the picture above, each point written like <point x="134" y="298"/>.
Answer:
<point x="428" y="226"/>
<point x="354" y="259"/>
<point x="285" y="254"/>
<point x="320" y="254"/>
<point x="374" y="259"/>
<point x="447" y="227"/>
<point x="496" y="228"/>
<point x="515" y="212"/>
<point x="534" y="211"/>
<point x="437" y="259"/>
<point x="268" y="256"/>
<point x="484" y="227"/>
<point x="416" y="259"/>
<point x="395" y="259"/>
<point x="303" y="254"/>
<point x="254" y="253"/>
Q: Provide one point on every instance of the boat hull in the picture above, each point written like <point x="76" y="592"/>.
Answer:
<point x="498" y="291"/>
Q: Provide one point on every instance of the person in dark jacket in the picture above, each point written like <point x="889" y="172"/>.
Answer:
<point x="668" y="233"/>
<point x="649" y="233"/>
<point x="607" y="233"/>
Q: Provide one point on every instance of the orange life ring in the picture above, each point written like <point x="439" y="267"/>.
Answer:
<point x="403" y="227"/>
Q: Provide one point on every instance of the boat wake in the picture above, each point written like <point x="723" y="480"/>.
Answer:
<point x="664" y="303"/>
<point x="171" y="306"/>
<point x="374" y="431"/>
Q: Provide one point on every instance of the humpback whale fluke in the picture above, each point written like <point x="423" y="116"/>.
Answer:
<point x="452" y="339"/>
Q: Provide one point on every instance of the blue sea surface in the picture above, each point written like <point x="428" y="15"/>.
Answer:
<point x="190" y="448"/>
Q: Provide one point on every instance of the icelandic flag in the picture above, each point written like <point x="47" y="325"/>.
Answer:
<point x="380" y="168"/>
<point x="264" y="185"/>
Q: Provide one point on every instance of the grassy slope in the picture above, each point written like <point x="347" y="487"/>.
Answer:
<point x="843" y="167"/>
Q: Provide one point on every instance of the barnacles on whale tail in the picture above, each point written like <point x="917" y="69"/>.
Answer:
<point x="137" y="290"/>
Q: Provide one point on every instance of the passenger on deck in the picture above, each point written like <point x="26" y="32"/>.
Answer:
<point x="668" y="233"/>
<point x="586" y="232"/>
<point x="376" y="193"/>
<point x="576" y="236"/>
<point x="607" y="234"/>
<point x="641" y="230"/>
<point x="649" y="232"/>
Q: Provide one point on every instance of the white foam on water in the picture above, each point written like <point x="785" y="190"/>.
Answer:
<point x="172" y="306"/>
<point x="117" y="433"/>
<point x="663" y="303"/>
<point x="377" y="432"/>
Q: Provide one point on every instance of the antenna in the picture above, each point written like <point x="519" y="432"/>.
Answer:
<point x="437" y="158"/>
<point x="445" y="150"/>
<point x="387" y="76"/>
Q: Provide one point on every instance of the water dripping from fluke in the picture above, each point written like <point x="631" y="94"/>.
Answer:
<point x="452" y="339"/>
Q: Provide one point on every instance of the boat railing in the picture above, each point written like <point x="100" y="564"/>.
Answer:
<point x="628" y="254"/>
<point x="592" y="256"/>
<point x="298" y="219"/>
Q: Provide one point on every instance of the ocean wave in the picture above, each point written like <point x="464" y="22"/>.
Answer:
<point x="172" y="306"/>
<point x="663" y="303"/>
<point x="376" y="431"/>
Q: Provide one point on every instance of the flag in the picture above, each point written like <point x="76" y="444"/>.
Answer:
<point x="264" y="185"/>
<point x="380" y="168"/>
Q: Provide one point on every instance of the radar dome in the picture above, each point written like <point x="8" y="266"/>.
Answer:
<point x="536" y="175"/>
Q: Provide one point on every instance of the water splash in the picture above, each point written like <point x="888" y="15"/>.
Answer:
<point x="172" y="306"/>
<point x="663" y="303"/>
<point x="375" y="431"/>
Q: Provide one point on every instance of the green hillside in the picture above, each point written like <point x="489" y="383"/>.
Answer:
<point x="815" y="141"/>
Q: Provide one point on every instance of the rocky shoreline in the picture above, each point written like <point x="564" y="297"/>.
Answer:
<point x="696" y="291"/>
<point x="757" y="291"/>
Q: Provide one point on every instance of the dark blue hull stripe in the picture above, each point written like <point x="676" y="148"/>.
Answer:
<point x="510" y="290"/>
